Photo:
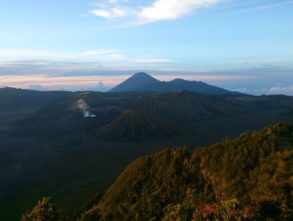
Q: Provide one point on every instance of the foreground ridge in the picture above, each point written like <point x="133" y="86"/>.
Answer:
<point x="247" y="178"/>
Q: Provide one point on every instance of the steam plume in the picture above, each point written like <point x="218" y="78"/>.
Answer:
<point x="82" y="105"/>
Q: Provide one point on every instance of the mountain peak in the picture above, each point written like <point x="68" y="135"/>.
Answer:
<point x="178" y="80"/>
<point x="142" y="74"/>
<point x="143" y="77"/>
<point x="137" y="82"/>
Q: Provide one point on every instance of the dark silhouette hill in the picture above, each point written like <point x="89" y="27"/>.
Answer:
<point x="142" y="82"/>
<point x="186" y="105"/>
<point x="133" y="125"/>
<point x="138" y="82"/>
<point x="16" y="99"/>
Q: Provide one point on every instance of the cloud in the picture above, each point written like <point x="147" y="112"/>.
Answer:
<point x="158" y="10"/>
<point x="172" y="9"/>
<point x="101" y="87"/>
<point x="267" y="6"/>
<point x="28" y="53"/>
<point x="113" y="13"/>
<point x="87" y="61"/>
<point x="114" y="55"/>
<point x="140" y="13"/>
<point x="102" y="13"/>
<point x="281" y="90"/>
<point x="99" y="55"/>
<point x="37" y="87"/>
<point x="272" y="90"/>
<point x="103" y="54"/>
<point x="41" y="82"/>
<point x="153" y="60"/>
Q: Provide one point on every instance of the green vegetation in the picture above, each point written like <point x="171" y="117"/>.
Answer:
<point x="44" y="211"/>
<point x="247" y="178"/>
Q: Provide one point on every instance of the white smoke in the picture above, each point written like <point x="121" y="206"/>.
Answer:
<point x="88" y="114"/>
<point x="82" y="105"/>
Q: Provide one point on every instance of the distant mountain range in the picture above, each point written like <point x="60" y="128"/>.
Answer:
<point x="142" y="82"/>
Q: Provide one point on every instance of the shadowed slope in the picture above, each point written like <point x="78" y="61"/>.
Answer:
<point x="133" y="125"/>
<point x="16" y="99"/>
<point x="186" y="105"/>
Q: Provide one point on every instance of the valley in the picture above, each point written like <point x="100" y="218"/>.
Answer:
<point x="50" y="148"/>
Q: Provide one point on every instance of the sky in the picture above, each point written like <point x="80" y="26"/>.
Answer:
<point x="243" y="45"/>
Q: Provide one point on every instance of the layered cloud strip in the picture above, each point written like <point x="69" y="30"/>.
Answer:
<point x="97" y="82"/>
<point x="80" y="76"/>
<point x="158" y="10"/>
<point x="100" y="56"/>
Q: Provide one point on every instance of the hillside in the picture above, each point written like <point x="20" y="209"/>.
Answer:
<point x="15" y="99"/>
<point x="18" y="104"/>
<point x="249" y="177"/>
<point x="133" y="125"/>
<point x="185" y="105"/>
<point x="142" y="82"/>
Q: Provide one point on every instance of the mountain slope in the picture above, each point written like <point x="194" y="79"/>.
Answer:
<point x="250" y="176"/>
<point x="133" y="125"/>
<point x="194" y="86"/>
<point x="142" y="82"/>
<point x="16" y="99"/>
<point x="186" y="105"/>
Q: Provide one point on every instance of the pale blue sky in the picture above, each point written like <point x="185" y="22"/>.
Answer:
<point x="234" y="37"/>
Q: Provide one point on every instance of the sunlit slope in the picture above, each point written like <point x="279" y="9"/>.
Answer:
<point x="253" y="170"/>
